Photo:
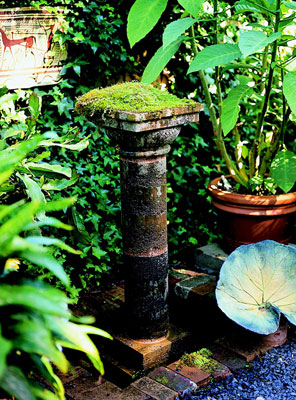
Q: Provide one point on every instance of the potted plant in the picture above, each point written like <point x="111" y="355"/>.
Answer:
<point x="246" y="57"/>
<point x="257" y="285"/>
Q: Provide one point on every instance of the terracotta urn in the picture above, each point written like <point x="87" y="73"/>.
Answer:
<point x="248" y="219"/>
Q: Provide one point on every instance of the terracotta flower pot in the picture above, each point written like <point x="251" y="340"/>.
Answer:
<point x="248" y="219"/>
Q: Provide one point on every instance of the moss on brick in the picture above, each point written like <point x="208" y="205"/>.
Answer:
<point x="128" y="97"/>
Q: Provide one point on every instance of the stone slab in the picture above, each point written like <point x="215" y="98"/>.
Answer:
<point x="201" y="284"/>
<point x="172" y="380"/>
<point x="209" y="258"/>
<point x="247" y="345"/>
<point x="228" y="358"/>
<point x="154" y="389"/>
<point x="130" y="393"/>
<point x="196" y="375"/>
<point x="92" y="389"/>
<point x="146" y="354"/>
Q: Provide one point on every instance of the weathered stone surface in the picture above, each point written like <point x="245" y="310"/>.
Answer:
<point x="172" y="380"/>
<point x="228" y="358"/>
<point x="210" y="258"/>
<point x="201" y="284"/>
<point x="154" y="389"/>
<point x="196" y="375"/>
<point x="247" y="345"/>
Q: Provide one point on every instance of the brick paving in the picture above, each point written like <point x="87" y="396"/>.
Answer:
<point x="230" y="353"/>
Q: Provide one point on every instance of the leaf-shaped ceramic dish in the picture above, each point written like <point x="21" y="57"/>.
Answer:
<point x="257" y="283"/>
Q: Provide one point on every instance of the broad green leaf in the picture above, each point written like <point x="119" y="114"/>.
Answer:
<point x="256" y="284"/>
<point x="48" y="221"/>
<point x="45" y="260"/>
<point x="192" y="6"/>
<point x="67" y="145"/>
<point x="51" y="168"/>
<point x="35" y="296"/>
<point x="32" y="336"/>
<point x="7" y="210"/>
<point x="34" y="192"/>
<point x="252" y="41"/>
<point x="60" y="184"/>
<point x="41" y="156"/>
<point x="58" y="205"/>
<point x="160" y="60"/>
<point x="283" y="170"/>
<point x="15" y="225"/>
<point x="55" y="381"/>
<point x="48" y="241"/>
<point x="289" y="88"/>
<point x="175" y="29"/>
<point x="16" y="384"/>
<point x="212" y="56"/>
<point x="5" y="175"/>
<point x="11" y="156"/>
<point x="13" y="131"/>
<point x="291" y="5"/>
<point x="34" y="105"/>
<point x="5" y="346"/>
<point x="230" y="107"/>
<point x="76" y="337"/>
<point x="243" y="6"/>
<point x="142" y="17"/>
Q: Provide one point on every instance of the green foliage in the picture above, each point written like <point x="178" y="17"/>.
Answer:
<point x="35" y="323"/>
<point x="257" y="284"/>
<point x="258" y="46"/>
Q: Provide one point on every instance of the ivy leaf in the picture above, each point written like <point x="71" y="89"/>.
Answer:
<point x="142" y="17"/>
<point x="160" y="60"/>
<point x="283" y="169"/>
<point x="230" y="107"/>
<point x="175" y="29"/>
<point x="252" y="41"/>
<point x="289" y="89"/>
<point x="214" y="55"/>
<point x="192" y="6"/>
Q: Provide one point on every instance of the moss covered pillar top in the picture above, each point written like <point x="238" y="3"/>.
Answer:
<point x="138" y="116"/>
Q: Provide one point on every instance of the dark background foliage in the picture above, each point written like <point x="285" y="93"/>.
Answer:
<point x="98" y="56"/>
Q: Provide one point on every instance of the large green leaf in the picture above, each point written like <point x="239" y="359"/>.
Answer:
<point x="34" y="192"/>
<point x="230" y="107"/>
<point x="49" y="241"/>
<point x="36" y="296"/>
<point x="283" y="170"/>
<point x="16" y="384"/>
<point x="142" y="17"/>
<point x="160" y="60"/>
<point x="252" y="41"/>
<point x="291" y="5"/>
<point x="192" y="6"/>
<point x="51" y="168"/>
<point x="5" y="346"/>
<point x="243" y="6"/>
<point x="175" y="29"/>
<point x="257" y="283"/>
<point x="76" y="337"/>
<point x="289" y="88"/>
<point x="60" y="184"/>
<point x="212" y="56"/>
<point x="11" y="156"/>
<point x="62" y="142"/>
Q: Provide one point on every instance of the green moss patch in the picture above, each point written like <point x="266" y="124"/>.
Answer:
<point x="200" y="359"/>
<point x="128" y="97"/>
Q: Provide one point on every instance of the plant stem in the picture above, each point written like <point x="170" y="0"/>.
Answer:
<point x="267" y="94"/>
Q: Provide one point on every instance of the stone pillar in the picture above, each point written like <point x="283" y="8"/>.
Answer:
<point x="143" y="140"/>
